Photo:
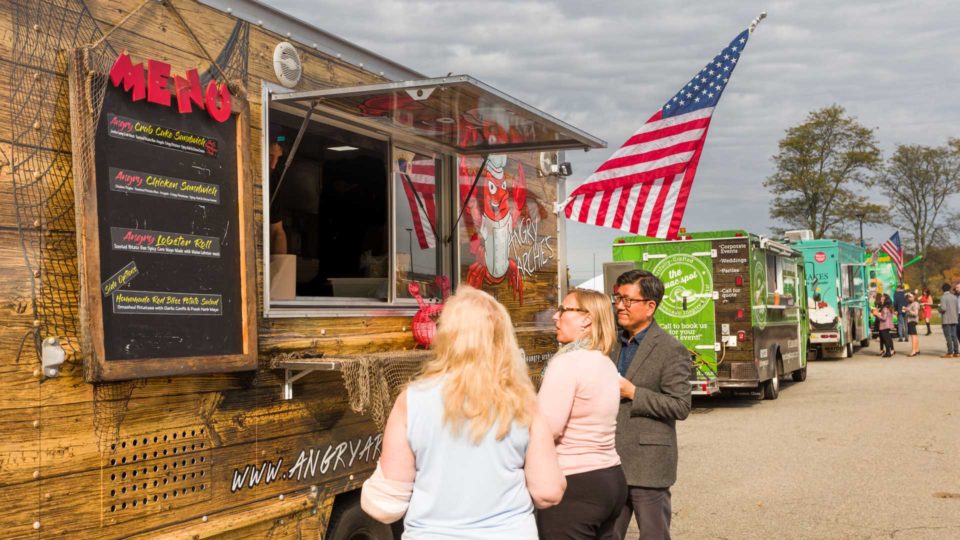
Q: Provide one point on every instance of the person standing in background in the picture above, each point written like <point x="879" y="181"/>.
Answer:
<point x="278" y="236"/>
<point x="948" y="320"/>
<point x="899" y="304"/>
<point x="884" y="316"/>
<point x="912" y="313"/>
<point x="655" y="393"/>
<point x="926" y="308"/>
<point x="580" y="400"/>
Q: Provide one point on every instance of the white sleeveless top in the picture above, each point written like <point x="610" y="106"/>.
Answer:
<point x="464" y="490"/>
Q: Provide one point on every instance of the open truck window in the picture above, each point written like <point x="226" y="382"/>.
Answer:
<point x="351" y="219"/>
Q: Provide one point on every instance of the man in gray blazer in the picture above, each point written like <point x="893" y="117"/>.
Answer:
<point x="655" y="393"/>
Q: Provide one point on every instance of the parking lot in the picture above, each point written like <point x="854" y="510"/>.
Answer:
<point x="866" y="447"/>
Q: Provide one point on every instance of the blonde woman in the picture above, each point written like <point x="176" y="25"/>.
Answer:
<point x="580" y="398"/>
<point x="465" y="443"/>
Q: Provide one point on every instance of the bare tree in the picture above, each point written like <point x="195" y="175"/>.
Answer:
<point x="822" y="167"/>
<point x="919" y="180"/>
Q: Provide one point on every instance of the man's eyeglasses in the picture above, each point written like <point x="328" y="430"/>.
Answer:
<point x="563" y="309"/>
<point x="627" y="301"/>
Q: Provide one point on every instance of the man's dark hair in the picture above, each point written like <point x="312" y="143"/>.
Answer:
<point x="945" y="287"/>
<point x="650" y="285"/>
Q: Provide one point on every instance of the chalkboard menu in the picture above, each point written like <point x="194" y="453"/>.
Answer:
<point x="170" y="262"/>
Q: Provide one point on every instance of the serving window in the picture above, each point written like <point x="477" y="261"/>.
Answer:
<point x="351" y="219"/>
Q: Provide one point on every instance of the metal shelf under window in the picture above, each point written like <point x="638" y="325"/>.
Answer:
<point x="295" y="369"/>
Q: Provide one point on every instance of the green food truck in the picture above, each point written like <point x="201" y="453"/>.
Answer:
<point x="881" y="278"/>
<point x="734" y="299"/>
<point x="837" y="300"/>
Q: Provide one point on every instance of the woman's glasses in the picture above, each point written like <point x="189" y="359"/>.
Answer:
<point x="563" y="309"/>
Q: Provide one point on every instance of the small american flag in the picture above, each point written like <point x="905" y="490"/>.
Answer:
<point x="894" y="249"/>
<point x="643" y="187"/>
<point x="420" y="187"/>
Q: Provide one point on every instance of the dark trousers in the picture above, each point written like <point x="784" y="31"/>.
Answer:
<point x="950" y="334"/>
<point x="651" y="507"/>
<point x="589" y="508"/>
<point x="886" y="342"/>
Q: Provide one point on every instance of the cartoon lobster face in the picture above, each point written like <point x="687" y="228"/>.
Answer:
<point x="494" y="225"/>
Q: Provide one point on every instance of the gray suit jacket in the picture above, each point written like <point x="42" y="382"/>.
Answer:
<point x="948" y="308"/>
<point x="646" y="426"/>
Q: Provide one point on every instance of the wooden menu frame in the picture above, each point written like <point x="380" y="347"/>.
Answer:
<point x="93" y="337"/>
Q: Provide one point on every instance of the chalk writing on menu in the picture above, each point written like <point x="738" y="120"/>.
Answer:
<point x="168" y="214"/>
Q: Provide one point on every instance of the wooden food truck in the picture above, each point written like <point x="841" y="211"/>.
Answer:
<point x="217" y="227"/>
<point x="837" y="301"/>
<point x="734" y="299"/>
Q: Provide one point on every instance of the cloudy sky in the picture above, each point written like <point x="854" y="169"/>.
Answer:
<point x="605" y="67"/>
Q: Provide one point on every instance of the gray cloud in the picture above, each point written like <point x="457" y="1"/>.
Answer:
<point x="606" y="67"/>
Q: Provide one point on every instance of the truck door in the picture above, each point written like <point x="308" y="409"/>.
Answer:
<point x="688" y="309"/>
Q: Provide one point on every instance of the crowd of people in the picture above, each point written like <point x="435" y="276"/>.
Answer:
<point x="593" y="450"/>
<point x="902" y="315"/>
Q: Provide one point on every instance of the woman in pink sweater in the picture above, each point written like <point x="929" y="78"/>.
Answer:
<point x="580" y="398"/>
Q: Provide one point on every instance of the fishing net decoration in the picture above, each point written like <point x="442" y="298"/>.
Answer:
<point x="375" y="381"/>
<point x="41" y="159"/>
<point x="41" y="154"/>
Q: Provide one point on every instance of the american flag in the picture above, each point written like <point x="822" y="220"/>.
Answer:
<point x="420" y="186"/>
<point x="894" y="249"/>
<point x="643" y="187"/>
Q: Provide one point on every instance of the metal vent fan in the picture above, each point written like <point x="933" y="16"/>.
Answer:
<point x="286" y="64"/>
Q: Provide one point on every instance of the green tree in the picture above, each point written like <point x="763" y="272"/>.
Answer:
<point x="825" y="167"/>
<point x="919" y="180"/>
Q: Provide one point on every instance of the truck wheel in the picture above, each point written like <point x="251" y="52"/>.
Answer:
<point x="849" y="350"/>
<point x="771" y="388"/>
<point x="351" y="523"/>
<point x="865" y="342"/>
<point x="799" y="375"/>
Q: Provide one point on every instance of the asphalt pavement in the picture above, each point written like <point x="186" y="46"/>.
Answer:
<point x="866" y="447"/>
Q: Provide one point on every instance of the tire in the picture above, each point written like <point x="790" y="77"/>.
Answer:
<point x="865" y="342"/>
<point x="849" y="350"/>
<point x="771" y="388"/>
<point x="351" y="523"/>
<point x="799" y="375"/>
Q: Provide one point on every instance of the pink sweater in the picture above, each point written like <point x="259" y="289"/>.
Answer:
<point x="580" y="398"/>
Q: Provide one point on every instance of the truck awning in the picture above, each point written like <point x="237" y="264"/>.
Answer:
<point x="457" y="111"/>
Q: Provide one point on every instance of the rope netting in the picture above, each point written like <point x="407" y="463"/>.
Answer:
<point x="46" y="34"/>
<point x="374" y="381"/>
<point x="41" y="159"/>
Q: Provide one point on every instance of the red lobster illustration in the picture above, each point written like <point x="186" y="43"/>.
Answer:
<point x="494" y="222"/>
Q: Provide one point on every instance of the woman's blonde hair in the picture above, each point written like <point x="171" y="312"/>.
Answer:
<point x="601" y="333"/>
<point x="486" y="381"/>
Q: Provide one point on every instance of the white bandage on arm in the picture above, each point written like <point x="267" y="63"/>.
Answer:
<point x="385" y="500"/>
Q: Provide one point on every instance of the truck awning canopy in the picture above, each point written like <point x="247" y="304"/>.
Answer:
<point x="456" y="111"/>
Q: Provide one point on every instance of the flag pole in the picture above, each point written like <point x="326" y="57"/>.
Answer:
<point x="755" y="22"/>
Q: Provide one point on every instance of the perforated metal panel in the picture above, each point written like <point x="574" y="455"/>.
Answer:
<point x="156" y="472"/>
<point x="738" y="371"/>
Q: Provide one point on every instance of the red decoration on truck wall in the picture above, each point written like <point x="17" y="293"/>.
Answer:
<point x="424" y="324"/>
<point x="153" y="84"/>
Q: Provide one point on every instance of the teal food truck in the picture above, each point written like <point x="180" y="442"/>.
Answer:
<point x="734" y="299"/>
<point x="837" y="299"/>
